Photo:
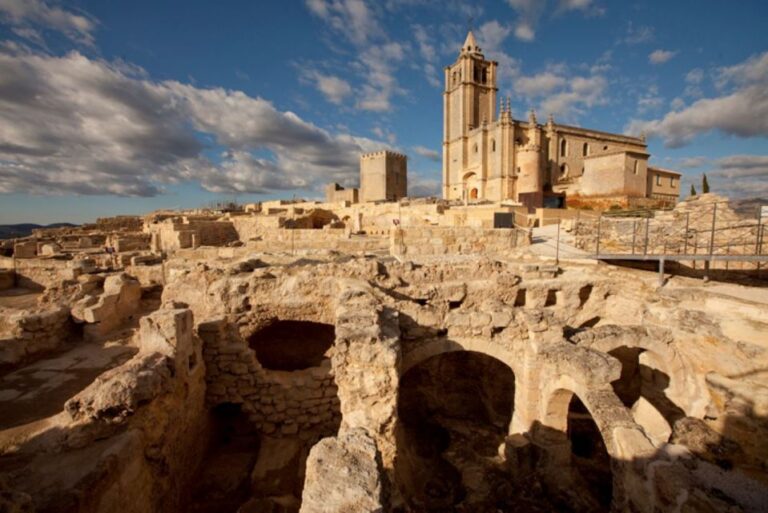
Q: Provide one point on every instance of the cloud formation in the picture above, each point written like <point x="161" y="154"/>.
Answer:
<point x="660" y="56"/>
<point x="427" y="153"/>
<point x="528" y="14"/>
<point x="742" y="109"/>
<point x="23" y="14"/>
<point x="377" y="57"/>
<point x="71" y="124"/>
<point x="332" y="87"/>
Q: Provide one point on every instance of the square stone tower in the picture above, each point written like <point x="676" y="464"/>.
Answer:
<point x="383" y="176"/>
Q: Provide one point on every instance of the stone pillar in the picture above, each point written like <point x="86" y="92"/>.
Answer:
<point x="366" y="362"/>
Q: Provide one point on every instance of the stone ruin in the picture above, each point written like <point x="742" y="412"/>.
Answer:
<point x="219" y="363"/>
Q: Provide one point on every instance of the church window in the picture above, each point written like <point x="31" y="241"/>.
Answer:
<point x="671" y="181"/>
<point x="563" y="148"/>
<point x="585" y="150"/>
<point x="493" y="144"/>
<point x="658" y="179"/>
<point x="485" y="76"/>
<point x="637" y="168"/>
<point x="564" y="170"/>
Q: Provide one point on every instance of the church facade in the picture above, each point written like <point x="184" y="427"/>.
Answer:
<point x="489" y="155"/>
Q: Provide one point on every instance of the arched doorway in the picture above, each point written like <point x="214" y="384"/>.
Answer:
<point x="581" y="471"/>
<point x="642" y="387"/>
<point x="454" y="411"/>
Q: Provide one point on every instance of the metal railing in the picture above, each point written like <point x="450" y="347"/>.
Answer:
<point x="713" y="235"/>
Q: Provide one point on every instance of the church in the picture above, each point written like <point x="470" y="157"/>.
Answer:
<point x="489" y="155"/>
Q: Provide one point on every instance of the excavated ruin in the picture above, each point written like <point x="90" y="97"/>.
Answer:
<point x="342" y="382"/>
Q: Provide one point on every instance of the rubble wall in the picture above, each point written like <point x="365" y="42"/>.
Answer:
<point x="24" y="334"/>
<point x="302" y="402"/>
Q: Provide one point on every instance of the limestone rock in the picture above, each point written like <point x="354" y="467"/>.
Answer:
<point x="343" y="475"/>
<point x="117" y="393"/>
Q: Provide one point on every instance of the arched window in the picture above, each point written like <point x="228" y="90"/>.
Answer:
<point x="563" y="148"/>
<point x="493" y="144"/>
<point x="474" y="148"/>
<point x="563" y="170"/>
<point x="485" y="75"/>
<point x="636" y="168"/>
<point x="585" y="150"/>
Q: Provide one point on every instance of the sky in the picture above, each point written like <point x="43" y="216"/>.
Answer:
<point x="113" y="107"/>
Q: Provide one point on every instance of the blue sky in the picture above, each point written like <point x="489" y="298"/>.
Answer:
<point x="111" y="107"/>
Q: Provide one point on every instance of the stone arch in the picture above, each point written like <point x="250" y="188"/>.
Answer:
<point x="623" y="438"/>
<point x="684" y="388"/>
<point x="437" y="346"/>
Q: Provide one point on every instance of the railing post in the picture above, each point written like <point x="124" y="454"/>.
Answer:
<point x="685" y="237"/>
<point x="645" y="245"/>
<point x="597" y="245"/>
<point x="759" y="227"/>
<point x="634" y="234"/>
<point x="557" y="244"/>
<point x="712" y="232"/>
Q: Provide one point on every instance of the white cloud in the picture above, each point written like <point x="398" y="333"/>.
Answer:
<point x="333" y="88"/>
<point x="377" y="59"/>
<point x="638" y="35"/>
<point x="538" y="85"/>
<point x="21" y="13"/>
<point x="693" y="162"/>
<point x="427" y="153"/>
<point x="740" y="176"/>
<point x="428" y="54"/>
<point x="575" y="4"/>
<point x="660" y="56"/>
<point x="582" y="92"/>
<point x="740" y="166"/>
<point x="490" y="37"/>
<point x="695" y="76"/>
<point x="528" y="14"/>
<point x="741" y="111"/>
<point x="75" y="125"/>
<point x="349" y="17"/>
<point x="420" y="186"/>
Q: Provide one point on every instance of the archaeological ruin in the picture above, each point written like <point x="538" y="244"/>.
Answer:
<point x="407" y="356"/>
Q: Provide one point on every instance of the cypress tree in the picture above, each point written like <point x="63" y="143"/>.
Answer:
<point x="693" y="190"/>
<point x="704" y="184"/>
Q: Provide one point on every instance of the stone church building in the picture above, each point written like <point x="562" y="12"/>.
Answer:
<point x="489" y="155"/>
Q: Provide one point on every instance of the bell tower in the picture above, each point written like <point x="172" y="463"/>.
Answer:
<point x="469" y="100"/>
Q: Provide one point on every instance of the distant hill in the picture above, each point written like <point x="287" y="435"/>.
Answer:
<point x="12" y="231"/>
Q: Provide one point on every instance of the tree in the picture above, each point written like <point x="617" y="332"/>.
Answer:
<point x="704" y="184"/>
<point x="693" y="190"/>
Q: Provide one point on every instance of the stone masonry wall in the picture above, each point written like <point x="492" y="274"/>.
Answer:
<point x="435" y="240"/>
<point x="300" y="402"/>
